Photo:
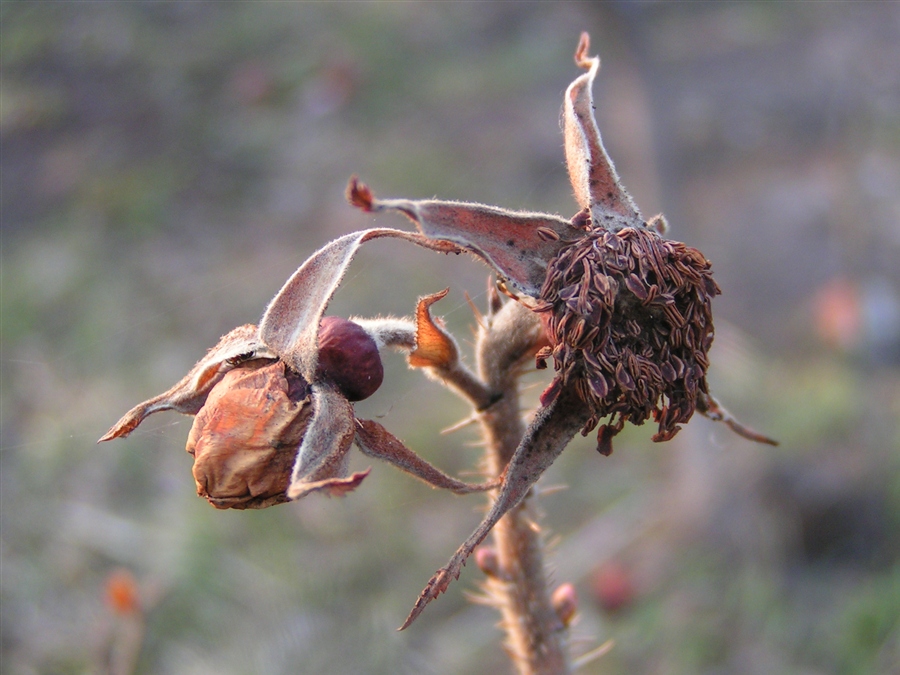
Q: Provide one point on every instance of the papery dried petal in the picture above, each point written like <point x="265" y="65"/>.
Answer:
<point x="246" y="437"/>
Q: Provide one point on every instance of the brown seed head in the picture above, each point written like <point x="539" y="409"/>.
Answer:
<point x="630" y="325"/>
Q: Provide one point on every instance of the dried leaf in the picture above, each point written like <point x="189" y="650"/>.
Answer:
<point x="547" y="436"/>
<point x="376" y="441"/>
<point x="189" y="395"/>
<point x="322" y="460"/>
<point x="291" y="321"/>
<point x="509" y="241"/>
<point x="591" y="171"/>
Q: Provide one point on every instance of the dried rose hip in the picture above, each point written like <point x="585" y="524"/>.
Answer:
<point x="348" y="357"/>
<point x="245" y="438"/>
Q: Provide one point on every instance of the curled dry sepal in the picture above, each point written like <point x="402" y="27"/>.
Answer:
<point x="626" y="311"/>
<point x="273" y="409"/>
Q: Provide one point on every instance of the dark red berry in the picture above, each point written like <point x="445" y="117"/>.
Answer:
<point x="349" y="358"/>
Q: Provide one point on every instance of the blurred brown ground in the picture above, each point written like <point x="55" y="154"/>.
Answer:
<point x="166" y="166"/>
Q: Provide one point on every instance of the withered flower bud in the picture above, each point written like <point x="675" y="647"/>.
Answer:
<point x="630" y="326"/>
<point x="565" y="603"/>
<point x="488" y="561"/>
<point x="349" y="358"/>
<point x="246" y="437"/>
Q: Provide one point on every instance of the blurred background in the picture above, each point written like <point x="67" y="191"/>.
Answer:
<point x="166" y="167"/>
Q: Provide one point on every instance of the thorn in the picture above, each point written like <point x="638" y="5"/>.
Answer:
<point x="479" y="317"/>
<point x="551" y="489"/>
<point x="503" y="288"/>
<point x="712" y="409"/>
<point x="462" y="424"/>
<point x="488" y="561"/>
<point x="495" y="304"/>
<point x="565" y="603"/>
<point x="659" y="223"/>
<point x="594" y="654"/>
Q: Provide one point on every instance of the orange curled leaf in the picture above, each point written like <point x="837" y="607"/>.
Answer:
<point x="434" y="346"/>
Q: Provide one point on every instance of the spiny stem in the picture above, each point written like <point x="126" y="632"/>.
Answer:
<point x="535" y="636"/>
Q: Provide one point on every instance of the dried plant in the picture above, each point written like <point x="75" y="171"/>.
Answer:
<point x="624" y="313"/>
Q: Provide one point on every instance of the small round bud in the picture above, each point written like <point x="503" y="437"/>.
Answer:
<point x="122" y="593"/>
<point x="613" y="587"/>
<point x="349" y="358"/>
<point x="487" y="560"/>
<point x="565" y="603"/>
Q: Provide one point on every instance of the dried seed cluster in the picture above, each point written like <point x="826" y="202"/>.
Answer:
<point x="629" y="320"/>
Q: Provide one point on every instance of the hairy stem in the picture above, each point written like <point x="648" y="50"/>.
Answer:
<point x="535" y="636"/>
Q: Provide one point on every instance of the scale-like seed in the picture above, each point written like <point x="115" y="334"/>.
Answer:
<point x="599" y="386"/>
<point x="547" y="234"/>
<point x="634" y="284"/>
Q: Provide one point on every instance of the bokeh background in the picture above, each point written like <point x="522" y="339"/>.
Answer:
<point x="166" y="167"/>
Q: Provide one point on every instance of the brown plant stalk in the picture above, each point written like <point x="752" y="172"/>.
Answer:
<point x="518" y="587"/>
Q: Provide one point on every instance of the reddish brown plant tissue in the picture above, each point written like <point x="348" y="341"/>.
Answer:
<point x="245" y="438"/>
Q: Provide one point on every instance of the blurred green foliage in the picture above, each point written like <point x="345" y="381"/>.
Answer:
<point x="166" y="166"/>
